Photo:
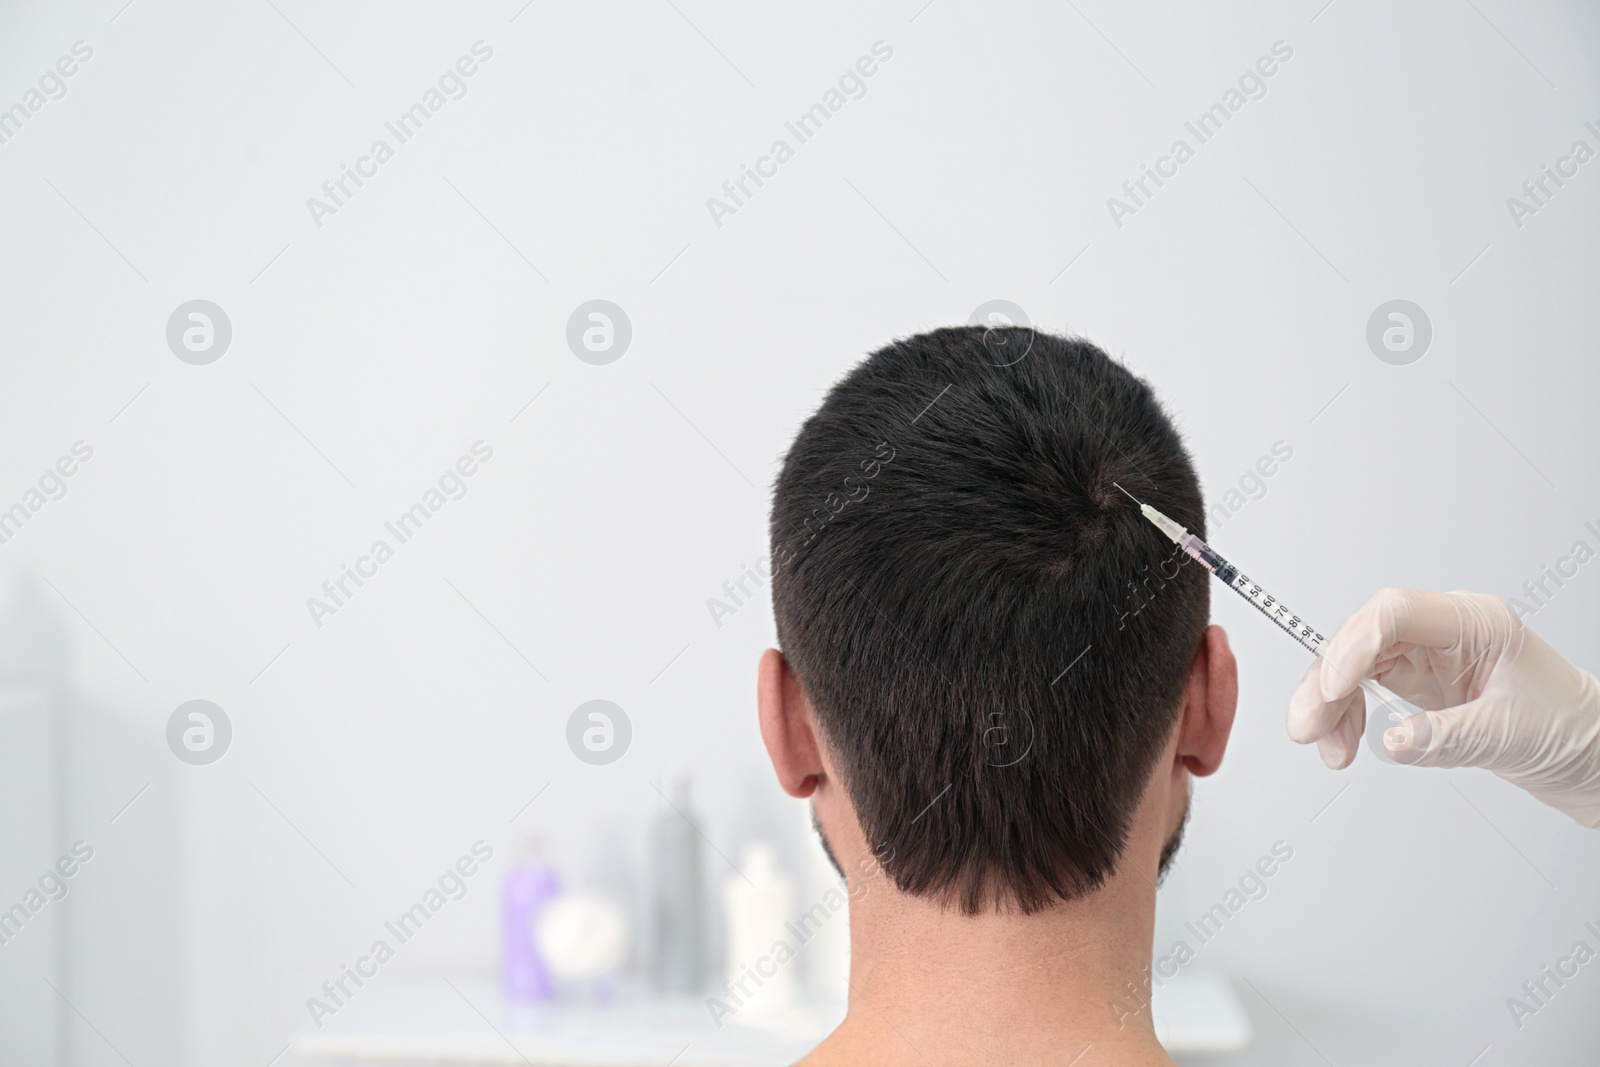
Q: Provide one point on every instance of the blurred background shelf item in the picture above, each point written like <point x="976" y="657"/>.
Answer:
<point x="470" y="1023"/>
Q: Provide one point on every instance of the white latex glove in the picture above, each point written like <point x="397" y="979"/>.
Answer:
<point x="1496" y="695"/>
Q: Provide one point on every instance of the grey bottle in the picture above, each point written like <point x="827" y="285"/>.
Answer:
<point x="678" y="963"/>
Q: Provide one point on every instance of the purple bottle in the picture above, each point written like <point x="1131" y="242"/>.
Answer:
<point x="530" y="884"/>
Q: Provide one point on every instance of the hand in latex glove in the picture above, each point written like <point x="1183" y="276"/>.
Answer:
<point x="1497" y="696"/>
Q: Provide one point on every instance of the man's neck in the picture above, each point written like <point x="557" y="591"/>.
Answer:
<point x="930" y="986"/>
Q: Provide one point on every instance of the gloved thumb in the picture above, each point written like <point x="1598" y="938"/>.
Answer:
<point x="1462" y="736"/>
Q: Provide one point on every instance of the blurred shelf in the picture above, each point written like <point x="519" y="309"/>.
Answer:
<point x="1200" y="1013"/>
<point x="471" y="1023"/>
<point x="437" y="1024"/>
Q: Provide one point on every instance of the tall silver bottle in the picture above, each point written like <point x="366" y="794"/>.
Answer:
<point x="678" y="963"/>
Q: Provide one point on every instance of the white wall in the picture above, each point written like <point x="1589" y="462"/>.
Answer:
<point x="374" y="350"/>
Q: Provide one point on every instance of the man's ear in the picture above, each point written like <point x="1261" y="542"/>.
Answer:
<point x="1209" y="701"/>
<point x="787" y="727"/>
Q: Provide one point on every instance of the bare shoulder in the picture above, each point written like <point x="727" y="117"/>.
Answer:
<point x="858" y="1042"/>
<point x="844" y="1047"/>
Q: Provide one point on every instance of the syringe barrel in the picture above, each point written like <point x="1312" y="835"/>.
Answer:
<point x="1211" y="559"/>
<point x="1290" y="623"/>
<point x="1270" y="606"/>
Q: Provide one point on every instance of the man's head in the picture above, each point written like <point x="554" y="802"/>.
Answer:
<point x="982" y="638"/>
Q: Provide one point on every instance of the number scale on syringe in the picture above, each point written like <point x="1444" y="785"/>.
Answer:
<point x="1212" y="560"/>
<point x="1277" y="611"/>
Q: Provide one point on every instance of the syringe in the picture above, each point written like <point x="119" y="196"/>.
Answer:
<point x="1290" y="623"/>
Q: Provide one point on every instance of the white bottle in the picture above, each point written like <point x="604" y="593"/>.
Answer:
<point x="762" y="975"/>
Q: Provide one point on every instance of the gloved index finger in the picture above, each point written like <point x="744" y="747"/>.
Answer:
<point x="1391" y="617"/>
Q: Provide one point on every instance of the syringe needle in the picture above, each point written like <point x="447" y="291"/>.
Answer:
<point x="1274" y="609"/>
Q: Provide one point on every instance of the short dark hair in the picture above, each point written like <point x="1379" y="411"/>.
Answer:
<point x="960" y="587"/>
